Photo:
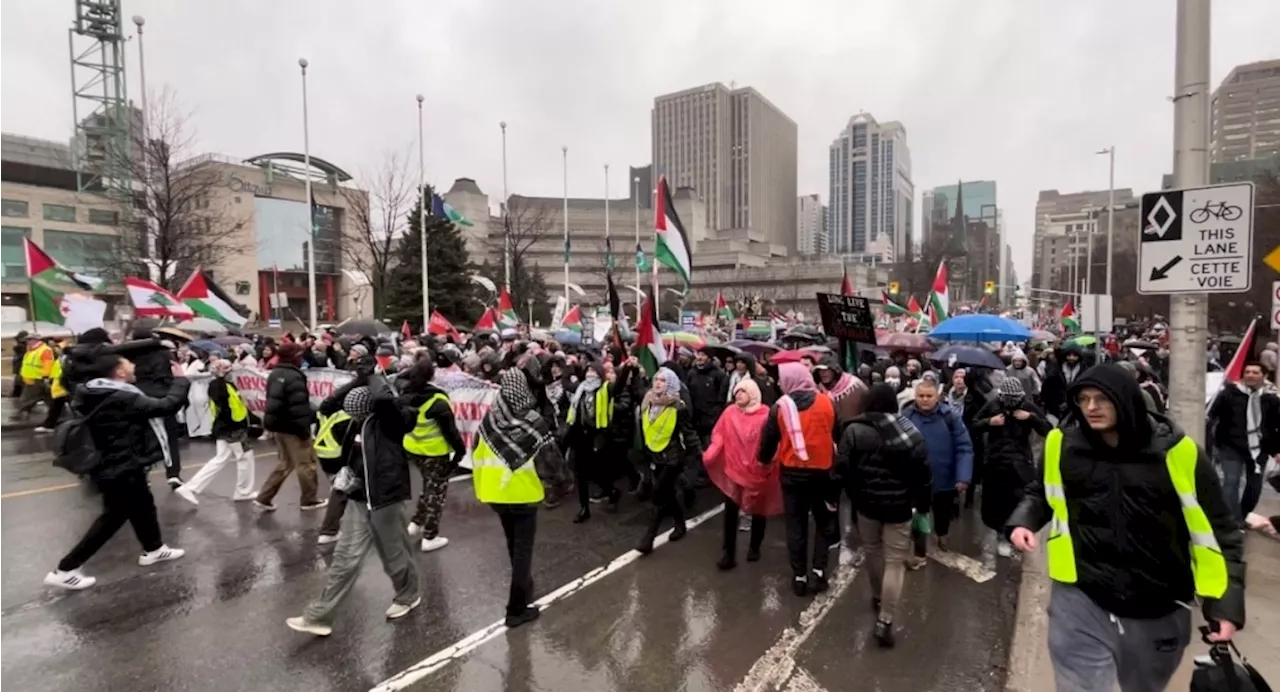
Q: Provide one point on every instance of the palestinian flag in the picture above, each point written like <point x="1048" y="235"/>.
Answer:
<point x="914" y="311"/>
<point x="1235" y="368"/>
<point x="572" y="320"/>
<point x="939" y="302"/>
<point x="846" y="286"/>
<point x="723" y="311"/>
<point x="673" y="248"/>
<point x="39" y="261"/>
<point x="891" y="307"/>
<point x="57" y="296"/>
<point x="1070" y="323"/>
<point x="648" y="347"/>
<point x="406" y="332"/>
<point x="507" y="316"/>
<point x="439" y="325"/>
<point x="207" y="299"/>
<point x="150" y="300"/>
<point x="488" y="321"/>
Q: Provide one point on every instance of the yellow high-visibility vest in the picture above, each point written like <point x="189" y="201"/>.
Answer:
<point x="604" y="409"/>
<point x="657" y="433"/>
<point x="1208" y="566"/>
<point x="497" y="484"/>
<point x="56" y="390"/>
<point x="426" y="439"/>
<point x="234" y="403"/>
<point x="34" y="367"/>
<point x="328" y="446"/>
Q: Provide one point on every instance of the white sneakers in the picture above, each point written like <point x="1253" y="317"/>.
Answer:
<point x="327" y="538"/>
<point x="186" y="493"/>
<point x="1004" y="548"/>
<point x="414" y="529"/>
<point x="73" y="580"/>
<point x="300" y="624"/>
<point x="399" y="610"/>
<point x="245" y="497"/>
<point x="434" y="544"/>
<point x="160" y="554"/>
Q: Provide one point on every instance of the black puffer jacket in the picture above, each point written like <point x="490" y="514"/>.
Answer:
<point x="152" y="362"/>
<point x="709" y="390"/>
<point x="121" y="428"/>
<point x="883" y="462"/>
<point x="378" y="458"/>
<point x="1131" y="543"/>
<point x="288" y="402"/>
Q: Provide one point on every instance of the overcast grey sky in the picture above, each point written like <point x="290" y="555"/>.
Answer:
<point x="1019" y="91"/>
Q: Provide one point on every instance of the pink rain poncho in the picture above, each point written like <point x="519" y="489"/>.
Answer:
<point x="730" y="460"/>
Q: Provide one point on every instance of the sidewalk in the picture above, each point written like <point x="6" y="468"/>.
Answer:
<point x="1031" y="671"/>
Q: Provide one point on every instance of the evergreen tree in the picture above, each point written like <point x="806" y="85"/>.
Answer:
<point x="526" y="282"/>
<point x="449" y="270"/>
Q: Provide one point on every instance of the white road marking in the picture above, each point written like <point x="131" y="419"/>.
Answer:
<point x="778" y="665"/>
<point x="471" y="642"/>
<point x="459" y="479"/>
<point x="964" y="564"/>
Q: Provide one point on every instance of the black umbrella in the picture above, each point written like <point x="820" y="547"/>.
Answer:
<point x="959" y="356"/>
<point x="723" y="351"/>
<point x="365" y="327"/>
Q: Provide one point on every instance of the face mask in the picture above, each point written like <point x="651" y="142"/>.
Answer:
<point x="893" y="382"/>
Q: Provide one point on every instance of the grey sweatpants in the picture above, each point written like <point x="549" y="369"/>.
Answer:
<point x="1093" y="650"/>
<point x="384" y="529"/>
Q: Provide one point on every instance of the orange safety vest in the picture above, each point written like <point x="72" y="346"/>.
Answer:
<point x="817" y="422"/>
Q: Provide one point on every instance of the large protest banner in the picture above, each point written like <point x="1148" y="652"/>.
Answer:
<point x="471" y="397"/>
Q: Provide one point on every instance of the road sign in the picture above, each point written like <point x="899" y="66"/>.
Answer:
<point x="1197" y="240"/>
<point x="1273" y="259"/>
<point x="1275" y="306"/>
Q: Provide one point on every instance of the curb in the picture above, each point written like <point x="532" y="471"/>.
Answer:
<point x="1030" y="669"/>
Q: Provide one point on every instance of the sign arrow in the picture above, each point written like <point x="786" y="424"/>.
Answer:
<point x="1163" y="272"/>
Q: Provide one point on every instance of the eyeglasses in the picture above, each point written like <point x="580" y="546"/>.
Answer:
<point x="1092" y="401"/>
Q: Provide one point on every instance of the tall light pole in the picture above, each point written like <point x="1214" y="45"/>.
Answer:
<point x="635" y="193"/>
<point x="506" y="224"/>
<point x="311" y="212"/>
<point x="422" y="219"/>
<point x="138" y="21"/>
<point x="1189" y="312"/>
<point x="564" y="150"/>
<point x="1111" y="207"/>
<point x="608" y="243"/>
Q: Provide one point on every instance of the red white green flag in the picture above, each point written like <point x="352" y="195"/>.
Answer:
<point x="890" y="306"/>
<point x="846" y="286"/>
<point x="59" y="295"/>
<point x="572" y="320"/>
<point x="939" y="301"/>
<point x="507" y="315"/>
<point x="1070" y="323"/>
<point x="673" y="248"/>
<point x="151" y="300"/>
<point x="488" y="320"/>
<point x="723" y="311"/>
<point x="204" y="297"/>
<point x="914" y="310"/>
<point x="648" y="346"/>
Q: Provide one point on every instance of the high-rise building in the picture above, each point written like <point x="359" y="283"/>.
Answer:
<point x="1245" y="113"/>
<point x="871" y="193"/>
<point x="1061" y="219"/>
<point x="737" y="151"/>
<point x="811" y="225"/>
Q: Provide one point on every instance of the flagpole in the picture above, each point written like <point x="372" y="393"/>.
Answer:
<point x="564" y="150"/>
<point x="657" y="312"/>
<point x="311" y="221"/>
<point x="608" y="246"/>
<point x="506" y="235"/>
<point x="635" y="193"/>
<point x="422" y="220"/>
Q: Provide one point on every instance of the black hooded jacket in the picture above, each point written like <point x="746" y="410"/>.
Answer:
<point x="152" y="362"/>
<point x="709" y="389"/>
<point x="1131" y="543"/>
<point x="374" y="448"/>
<point x="883" y="462"/>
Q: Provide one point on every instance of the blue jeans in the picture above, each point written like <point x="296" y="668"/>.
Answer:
<point x="1234" y="468"/>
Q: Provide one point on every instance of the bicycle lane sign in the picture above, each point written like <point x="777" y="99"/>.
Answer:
<point x="1196" y="240"/>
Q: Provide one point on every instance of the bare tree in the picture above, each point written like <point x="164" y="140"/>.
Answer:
<point x="529" y="223"/>
<point x="179" y="224"/>
<point x="378" y="217"/>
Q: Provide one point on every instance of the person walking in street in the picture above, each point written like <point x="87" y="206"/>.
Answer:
<point x="515" y="453"/>
<point x="950" y="459"/>
<point x="374" y="475"/>
<point x="587" y="420"/>
<point x="1245" y="422"/>
<point x="709" y="389"/>
<point x="749" y="487"/>
<point x="434" y="446"/>
<point x="669" y="439"/>
<point x="1020" y="368"/>
<point x="1138" y="529"/>
<point x="15" y="362"/>
<point x="230" y="432"/>
<point x="58" y="395"/>
<point x="36" y="369"/>
<point x="883" y="461"/>
<point x="128" y="432"/>
<point x="799" y="435"/>
<point x="289" y="417"/>
<point x="1008" y="422"/>
<point x="154" y="359"/>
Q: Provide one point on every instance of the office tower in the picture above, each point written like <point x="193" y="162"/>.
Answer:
<point x="871" y="194"/>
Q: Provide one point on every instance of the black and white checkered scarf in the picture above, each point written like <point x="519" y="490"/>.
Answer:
<point x="513" y="428"/>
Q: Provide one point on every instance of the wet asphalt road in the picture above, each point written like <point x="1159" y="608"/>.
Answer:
<point x="214" y="620"/>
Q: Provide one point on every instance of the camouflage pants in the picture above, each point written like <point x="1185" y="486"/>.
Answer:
<point x="435" y="486"/>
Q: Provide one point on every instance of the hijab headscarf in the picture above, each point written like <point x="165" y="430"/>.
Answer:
<point x="513" y="429"/>
<point x="584" y="398"/>
<point x="1011" y="392"/>
<point x="753" y="395"/>
<point x="793" y="377"/>
<point x="656" y="400"/>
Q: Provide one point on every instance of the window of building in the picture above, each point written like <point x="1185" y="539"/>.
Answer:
<point x="60" y="212"/>
<point x="91" y="253"/>
<point x="13" y="253"/>
<point x="104" y="217"/>
<point x="15" y="208"/>
<point x="242" y="288"/>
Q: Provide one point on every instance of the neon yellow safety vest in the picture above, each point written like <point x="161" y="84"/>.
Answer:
<point x="56" y="390"/>
<point x="657" y="433"/>
<point x="426" y="438"/>
<point x="604" y="409"/>
<point x="1208" y="567"/>
<point x="234" y="403"/>
<point x="326" y="445"/>
<point x="497" y="484"/>
<point x="33" y="367"/>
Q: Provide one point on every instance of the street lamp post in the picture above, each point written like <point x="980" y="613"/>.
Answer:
<point x="530" y="302"/>
<point x="1111" y="207"/>
<point x="564" y="150"/>
<point x="422" y="219"/>
<point x="506" y="226"/>
<point x="635" y="194"/>
<point x="311" y="219"/>
<point x="138" y="22"/>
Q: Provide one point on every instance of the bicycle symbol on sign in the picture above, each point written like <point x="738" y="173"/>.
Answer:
<point x="1221" y="211"/>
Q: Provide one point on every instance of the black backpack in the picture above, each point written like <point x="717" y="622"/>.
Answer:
<point x="1225" y="670"/>
<point x="73" y="447"/>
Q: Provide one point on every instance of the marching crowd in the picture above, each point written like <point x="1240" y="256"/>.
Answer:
<point x="1142" y="521"/>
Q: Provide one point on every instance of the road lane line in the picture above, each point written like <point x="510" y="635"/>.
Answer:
<point x="969" y="567"/>
<point x="471" y="642"/>
<point x="68" y="486"/>
<point x="778" y="665"/>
